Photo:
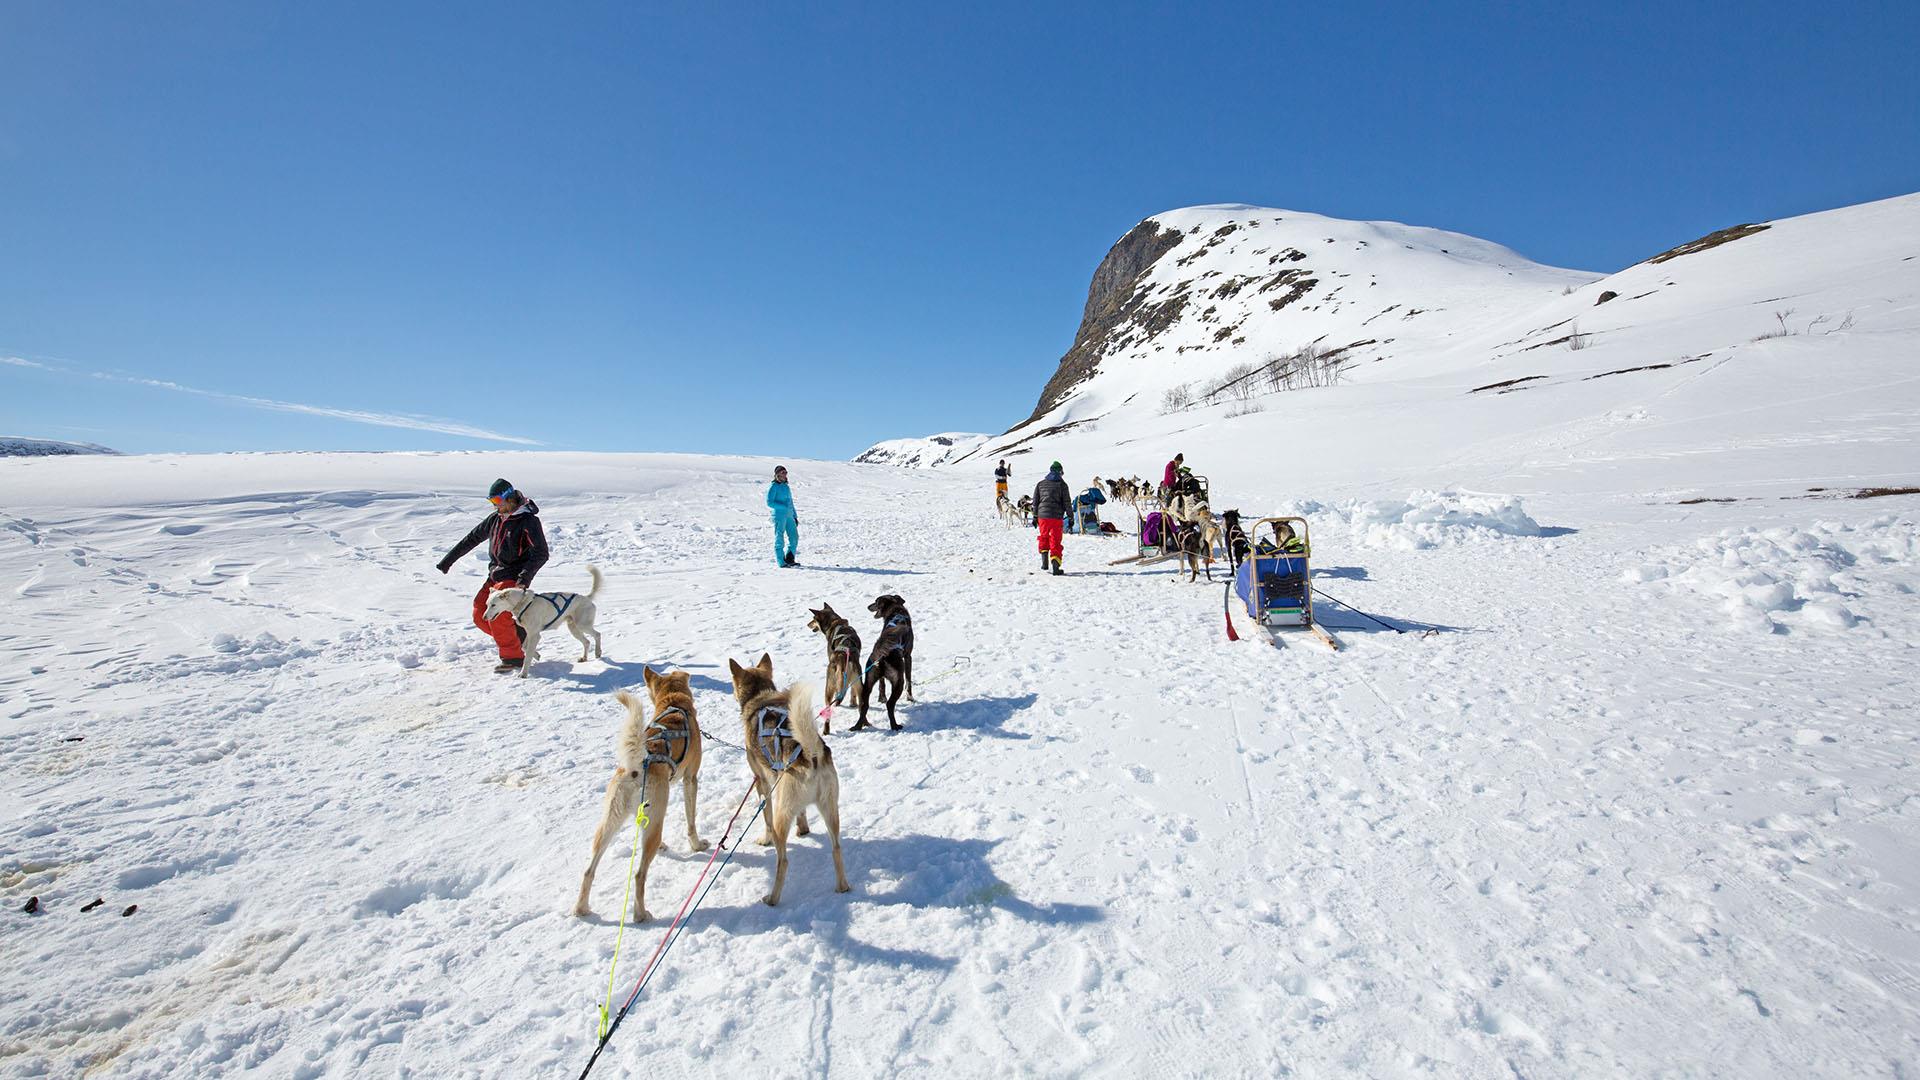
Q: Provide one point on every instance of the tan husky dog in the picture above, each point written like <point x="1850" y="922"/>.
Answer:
<point x="792" y="767"/>
<point x="650" y="756"/>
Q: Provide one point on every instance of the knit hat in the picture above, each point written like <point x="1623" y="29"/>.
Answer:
<point x="1055" y="467"/>
<point x="499" y="489"/>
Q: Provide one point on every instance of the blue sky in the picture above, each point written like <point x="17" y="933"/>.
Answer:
<point x="795" y="229"/>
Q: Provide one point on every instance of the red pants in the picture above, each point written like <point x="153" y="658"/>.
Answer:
<point x="501" y="629"/>
<point x="1050" y="536"/>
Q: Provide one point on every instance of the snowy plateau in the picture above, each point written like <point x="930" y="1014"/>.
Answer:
<point x="1613" y="776"/>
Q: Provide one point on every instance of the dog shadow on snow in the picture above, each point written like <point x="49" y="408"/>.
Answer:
<point x="984" y="716"/>
<point x="620" y="675"/>
<point x="919" y="872"/>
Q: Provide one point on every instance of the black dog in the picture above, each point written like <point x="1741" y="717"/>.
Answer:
<point x="891" y="665"/>
<point x="1237" y="546"/>
<point x="1191" y="543"/>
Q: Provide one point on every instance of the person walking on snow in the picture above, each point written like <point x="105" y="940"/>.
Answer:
<point x="516" y="550"/>
<point x="786" y="523"/>
<point x="1000" y="477"/>
<point x="1052" y="501"/>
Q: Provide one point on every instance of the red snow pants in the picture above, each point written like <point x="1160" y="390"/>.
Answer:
<point x="501" y="629"/>
<point x="1050" y="536"/>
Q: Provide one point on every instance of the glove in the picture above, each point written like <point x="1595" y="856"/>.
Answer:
<point x="441" y="566"/>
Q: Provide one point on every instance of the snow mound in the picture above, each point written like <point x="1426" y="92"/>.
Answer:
<point x="1786" y="578"/>
<point x="1430" y="519"/>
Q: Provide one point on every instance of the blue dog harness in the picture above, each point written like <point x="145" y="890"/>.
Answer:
<point x="559" y="608"/>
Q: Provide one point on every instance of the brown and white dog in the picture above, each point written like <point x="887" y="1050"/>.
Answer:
<point x="649" y="756"/>
<point x="843" y="658"/>
<point x="792" y="766"/>
<point x="891" y="665"/>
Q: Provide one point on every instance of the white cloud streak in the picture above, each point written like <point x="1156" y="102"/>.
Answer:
<point x="353" y="416"/>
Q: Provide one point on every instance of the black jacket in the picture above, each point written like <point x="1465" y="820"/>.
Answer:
<point x="516" y="548"/>
<point x="1051" y="497"/>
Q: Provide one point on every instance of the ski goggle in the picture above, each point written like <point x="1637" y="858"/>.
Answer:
<point x="501" y="499"/>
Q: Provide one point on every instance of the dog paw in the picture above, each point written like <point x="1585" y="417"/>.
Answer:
<point x="765" y="841"/>
<point x="895" y="727"/>
<point x="581" y="911"/>
<point x="698" y="845"/>
<point x="803" y="831"/>
<point x="843" y="887"/>
<point x="862" y="726"/>
<point x="769" y="900"/>
<point x="643" y="915"/>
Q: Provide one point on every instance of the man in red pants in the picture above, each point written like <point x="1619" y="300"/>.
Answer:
<point x="1051" y="504"/>
<point x="516" y="550"/>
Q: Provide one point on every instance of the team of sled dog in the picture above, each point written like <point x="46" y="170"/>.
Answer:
<point x="1192" y="528"/>
<point x="791" y="764"/>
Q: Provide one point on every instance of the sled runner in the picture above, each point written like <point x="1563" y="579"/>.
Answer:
<point x="1275" y="580"/>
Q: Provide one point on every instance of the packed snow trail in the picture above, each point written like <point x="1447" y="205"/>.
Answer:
<point x="1591" y="826"/>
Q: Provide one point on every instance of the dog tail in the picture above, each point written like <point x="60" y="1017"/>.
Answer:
<point x="630" y="749"/>
<point x="800" y="710"/>
<point x="594" y="573"/>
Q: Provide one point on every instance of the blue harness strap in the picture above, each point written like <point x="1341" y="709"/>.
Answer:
<point x="770" y="725"/>
<point x="559" y="608"/>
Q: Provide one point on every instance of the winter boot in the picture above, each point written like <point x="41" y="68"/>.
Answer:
<point x="1057" y="572"/>
<point x="505" y="666"/>
<point x="1044" y="559"/>
<point x="791" y="561"/>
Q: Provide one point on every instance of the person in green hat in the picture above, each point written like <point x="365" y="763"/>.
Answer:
<point x="1051" y="502"/>
<point x="516" y="550"/>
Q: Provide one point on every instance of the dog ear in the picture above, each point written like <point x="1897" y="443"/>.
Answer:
<point x="766" y="663"/>
<point x="647" y="674"/>
<point x="735" y="668"/>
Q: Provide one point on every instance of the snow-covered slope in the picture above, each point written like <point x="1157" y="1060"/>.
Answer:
<point x="1190" y="293"/>
<point x="923" y="452"/>
<point x="21" y="446"/>
<point x="1781" y="356"/>
<point x="1620" y="788"/>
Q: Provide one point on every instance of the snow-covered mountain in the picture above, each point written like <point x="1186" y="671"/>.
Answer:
<point x="924" y="452"/>
<point x="1792" y="337"/>
<point x="21" y="446"/>
<point x="1187" y="295"/>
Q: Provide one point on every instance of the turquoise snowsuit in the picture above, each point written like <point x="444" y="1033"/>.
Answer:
<point x="786" y="523"/>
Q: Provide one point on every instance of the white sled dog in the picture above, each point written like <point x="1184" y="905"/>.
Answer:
<point x="537" y="612"/>
<point x="792" y="766"/>
<point x="1009" y="513"/>
<point x="649" y="757"/>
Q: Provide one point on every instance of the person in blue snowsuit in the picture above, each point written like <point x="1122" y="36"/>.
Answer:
<point x="786" y="523"/>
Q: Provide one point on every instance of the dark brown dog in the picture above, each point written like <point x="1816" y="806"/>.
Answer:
<point x="1237" y="546"/>
<point x="891" y="665"/>
<point x="843" y="658"/>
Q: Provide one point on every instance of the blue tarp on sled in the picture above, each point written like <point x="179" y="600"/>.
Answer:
<point x="1274" y="588"/>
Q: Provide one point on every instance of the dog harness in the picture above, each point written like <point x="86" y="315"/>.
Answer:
<point x="842" y="634"/>
<point x="667" y="735"/>
<point x="897" y="647"/>
<point x="770" y="725"/>
<point x="559" y="608"/>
